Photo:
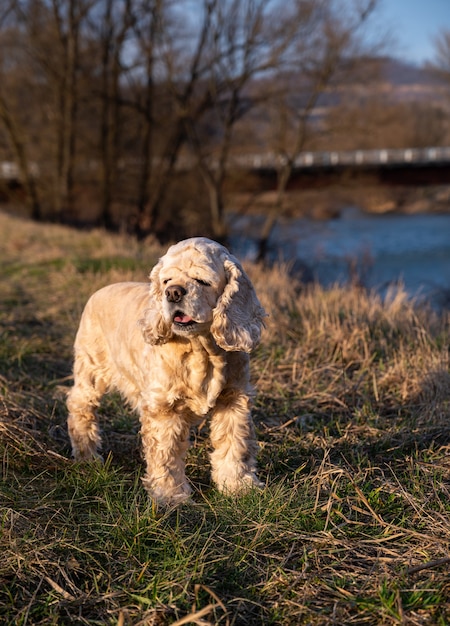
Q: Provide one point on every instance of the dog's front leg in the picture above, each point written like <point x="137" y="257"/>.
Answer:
<point x="82" y="400"/>
<point x="165" y="439"/>
<point x="233" y="460"/>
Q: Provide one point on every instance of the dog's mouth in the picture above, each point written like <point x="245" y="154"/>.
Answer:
<point x="181" y="320"/>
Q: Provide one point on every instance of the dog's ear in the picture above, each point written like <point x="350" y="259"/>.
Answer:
<point x="238" y="315"/>
<point x="154" y="327"/>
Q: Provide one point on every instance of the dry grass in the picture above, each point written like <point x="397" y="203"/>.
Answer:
<point x="352" y="414"/>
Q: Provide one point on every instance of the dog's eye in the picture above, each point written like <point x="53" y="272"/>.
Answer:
<point x="167" y="280"/>
<point x="202" y="282"/>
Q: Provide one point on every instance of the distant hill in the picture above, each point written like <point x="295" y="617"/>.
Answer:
<point x="400" y="73"/>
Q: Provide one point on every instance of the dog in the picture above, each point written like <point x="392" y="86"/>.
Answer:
<point x="177" y="349"/>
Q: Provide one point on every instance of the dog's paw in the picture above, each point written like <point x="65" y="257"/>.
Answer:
<point x="239" y="484"/>
<point x="88" y="456"/>
<point x="165" y="495"/>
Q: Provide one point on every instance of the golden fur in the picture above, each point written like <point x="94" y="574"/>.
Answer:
<point x="177" y="350"/>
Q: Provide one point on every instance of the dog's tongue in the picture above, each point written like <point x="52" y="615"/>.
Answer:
<point x="182" y="319"/>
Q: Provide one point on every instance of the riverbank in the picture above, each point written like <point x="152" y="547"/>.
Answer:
<point x="353" y="420"/>
<point x="330" y="202"/>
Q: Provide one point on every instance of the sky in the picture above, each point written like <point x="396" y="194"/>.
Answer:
<point x="414" y="24"/>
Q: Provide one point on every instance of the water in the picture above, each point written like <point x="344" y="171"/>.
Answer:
<point x="380" y="249"/>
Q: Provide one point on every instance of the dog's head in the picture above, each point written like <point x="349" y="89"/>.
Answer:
<point x="198" y="287"/>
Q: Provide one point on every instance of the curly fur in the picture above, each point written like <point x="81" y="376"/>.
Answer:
<point x="177" y="350"/>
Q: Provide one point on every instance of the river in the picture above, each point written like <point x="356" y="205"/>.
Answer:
<point x="381" y="250"/>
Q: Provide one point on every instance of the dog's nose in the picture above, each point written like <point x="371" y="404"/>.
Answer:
<point x="175" y="293"/>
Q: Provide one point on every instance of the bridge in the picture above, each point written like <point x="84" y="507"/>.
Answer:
<point x="388" y="157"/>
<point x="414" y="166"/>
<point x="391" y="166"/>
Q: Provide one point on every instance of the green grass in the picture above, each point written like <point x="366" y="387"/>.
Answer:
<point x="352" y="415"/>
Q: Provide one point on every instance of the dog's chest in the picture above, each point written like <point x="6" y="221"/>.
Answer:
<point x="190" y="378"/>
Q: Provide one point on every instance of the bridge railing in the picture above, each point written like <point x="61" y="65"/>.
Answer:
<point x="9" y="170"/>
<point x="386" y="156"/>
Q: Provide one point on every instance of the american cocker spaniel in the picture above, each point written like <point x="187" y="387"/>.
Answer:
<point x="177" y="351"/>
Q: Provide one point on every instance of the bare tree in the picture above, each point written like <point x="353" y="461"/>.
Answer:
<point x="110" y="26"/>
<point x="16" y="135"/>
<point x="52" y="32"/>
<point x="441" y="64"/>
<point x="68" y="17"/>
<point x="239" y="53"/>
<point x="329" y="39"/>
<point x="441" y="68"/>
<point x="148" y="26"/>
<point x="173" y="75"/>
<point x="11" y="122"/>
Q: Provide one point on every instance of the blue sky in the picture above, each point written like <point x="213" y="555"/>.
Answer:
<point x="414" y="24"/>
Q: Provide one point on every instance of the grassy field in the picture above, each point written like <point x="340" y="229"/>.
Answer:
<point x="353" y="419"/>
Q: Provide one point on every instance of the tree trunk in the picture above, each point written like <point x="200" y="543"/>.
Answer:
<point x="18" y="145"/>
<point x="67" y="88"/>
